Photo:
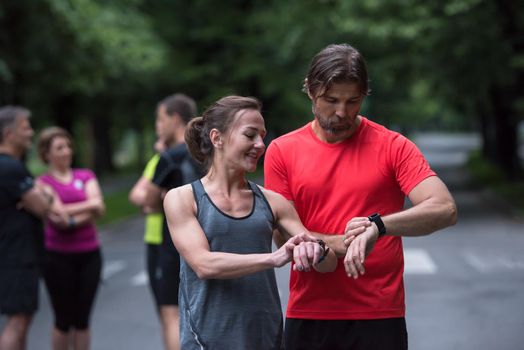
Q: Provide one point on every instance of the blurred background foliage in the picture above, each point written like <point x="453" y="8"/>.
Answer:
<point x="98" y="67"/>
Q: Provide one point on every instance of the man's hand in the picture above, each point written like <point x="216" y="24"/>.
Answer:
<point x="358" y="249"/>
<point x="306" y="255"/>
<point x="160" y="146"/>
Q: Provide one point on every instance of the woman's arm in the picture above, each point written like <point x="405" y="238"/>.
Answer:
<point x="309" y="254"/>
<point x="70" y="216"/>
<point x="191" y="243"/>
<point x="93" y="205"/>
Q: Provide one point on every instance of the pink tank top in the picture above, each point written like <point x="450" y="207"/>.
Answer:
<point x="79" y="239"/>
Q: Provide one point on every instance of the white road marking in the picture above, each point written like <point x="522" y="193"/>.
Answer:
<point x="418" y="261"/>
<point x="112" y="267"/>
<point x="476" y="262"/>
<point x="493" y="261"/>
<point x="140" y="279"/>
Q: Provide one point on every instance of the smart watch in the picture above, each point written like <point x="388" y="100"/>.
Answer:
<point x="325" y="250"/>
<point x="380" y="224"/>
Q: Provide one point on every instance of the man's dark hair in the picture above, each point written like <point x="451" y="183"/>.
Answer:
<point x="336" y="64"/>
<point x="8" y="116"/>
<point x="180" y="104"/>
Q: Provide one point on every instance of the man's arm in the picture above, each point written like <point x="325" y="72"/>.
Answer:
<point x="138" y="192"/>
<point x="337" y="242"/>
<point x="37" y="201"/>
<point x="143" y="193"/>
<point x="154" y="190"/>
<point x="137" y="195"/>
<point x="433" y="209"/>
<point x="340" y="242"/>
<point x="153" y="197"/>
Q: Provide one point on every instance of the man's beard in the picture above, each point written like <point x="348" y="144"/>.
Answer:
<point x="332" y="127"/>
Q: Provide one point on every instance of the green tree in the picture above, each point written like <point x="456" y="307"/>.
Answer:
<point x="74" y="59"/>
<point x="465" y="54"/>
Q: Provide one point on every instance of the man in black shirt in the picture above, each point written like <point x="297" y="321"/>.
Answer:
<point x="22" y="205"/>
<point x="175" y="168"/>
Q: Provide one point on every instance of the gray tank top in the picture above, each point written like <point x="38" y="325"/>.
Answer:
<point x="240" y="313"/>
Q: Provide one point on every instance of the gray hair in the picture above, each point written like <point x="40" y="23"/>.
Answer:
<point x="8" y="116"/>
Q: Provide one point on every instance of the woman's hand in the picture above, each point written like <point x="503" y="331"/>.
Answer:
<point x="287" y="251"/>
<point x="58" y="218"/>
<point x="306" y="255"/>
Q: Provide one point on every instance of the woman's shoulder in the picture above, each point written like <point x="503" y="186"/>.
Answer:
<point x="181" y="198"/>
<point x="181" y="193"/>
<point x="272" y="196"/>
<point x="45" y="177"/>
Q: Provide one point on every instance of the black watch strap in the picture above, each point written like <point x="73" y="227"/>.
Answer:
<point x="380" y="224"/>
<point x="324" y="249"/>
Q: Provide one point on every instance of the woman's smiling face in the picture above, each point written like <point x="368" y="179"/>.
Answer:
<point x="244" y="142"/>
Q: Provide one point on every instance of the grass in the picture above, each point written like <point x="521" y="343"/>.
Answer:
<point x="117" y="207"/>
<point x="486" y="174"/>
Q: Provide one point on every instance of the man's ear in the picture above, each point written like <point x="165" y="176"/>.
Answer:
<point x="306" y="88"/>
<point x="177" y="119"/>
<point x="216" y="138"/>
<point x="5" y="132"/>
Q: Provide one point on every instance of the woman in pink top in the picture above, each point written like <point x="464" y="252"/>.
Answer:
<point x="73" y="261"/>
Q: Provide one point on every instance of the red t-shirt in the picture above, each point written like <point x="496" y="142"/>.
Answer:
<point x="371" y="172"/>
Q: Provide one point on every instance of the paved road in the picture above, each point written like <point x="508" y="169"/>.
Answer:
<point x="471" y="294"/>
<point x="464" y="284"/>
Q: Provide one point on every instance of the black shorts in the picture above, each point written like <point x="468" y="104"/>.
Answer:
<point x="19" y="290"/>
<point x="152" y="263"/>
<point x="167" y="276"/>
<point x="380" y="334"/>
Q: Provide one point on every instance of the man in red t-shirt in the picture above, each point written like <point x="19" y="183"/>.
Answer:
<point x="348" y="177"/>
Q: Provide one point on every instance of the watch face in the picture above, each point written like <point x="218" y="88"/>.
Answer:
<point x="373" y="217"/>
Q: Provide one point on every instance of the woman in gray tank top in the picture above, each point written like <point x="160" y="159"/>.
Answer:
<point x="222" y="226"/>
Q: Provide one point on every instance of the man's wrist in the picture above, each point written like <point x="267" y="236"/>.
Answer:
<point x="48" y="197"/>
<point x="378" y="223"/>
<point x="375" y="229"/>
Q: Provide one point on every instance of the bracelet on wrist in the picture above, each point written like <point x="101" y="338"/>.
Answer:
<point x="71" y="222"/>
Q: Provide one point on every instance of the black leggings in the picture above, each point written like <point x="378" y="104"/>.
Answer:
<point x="72" y="280"/>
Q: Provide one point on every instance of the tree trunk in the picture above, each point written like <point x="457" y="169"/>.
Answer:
<point x="505" y="130"/>
<point x="489" y="150"/>
<point x="64" y="112"/>
<point x="505" y="98"/>
<point x="103" y="150"/>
